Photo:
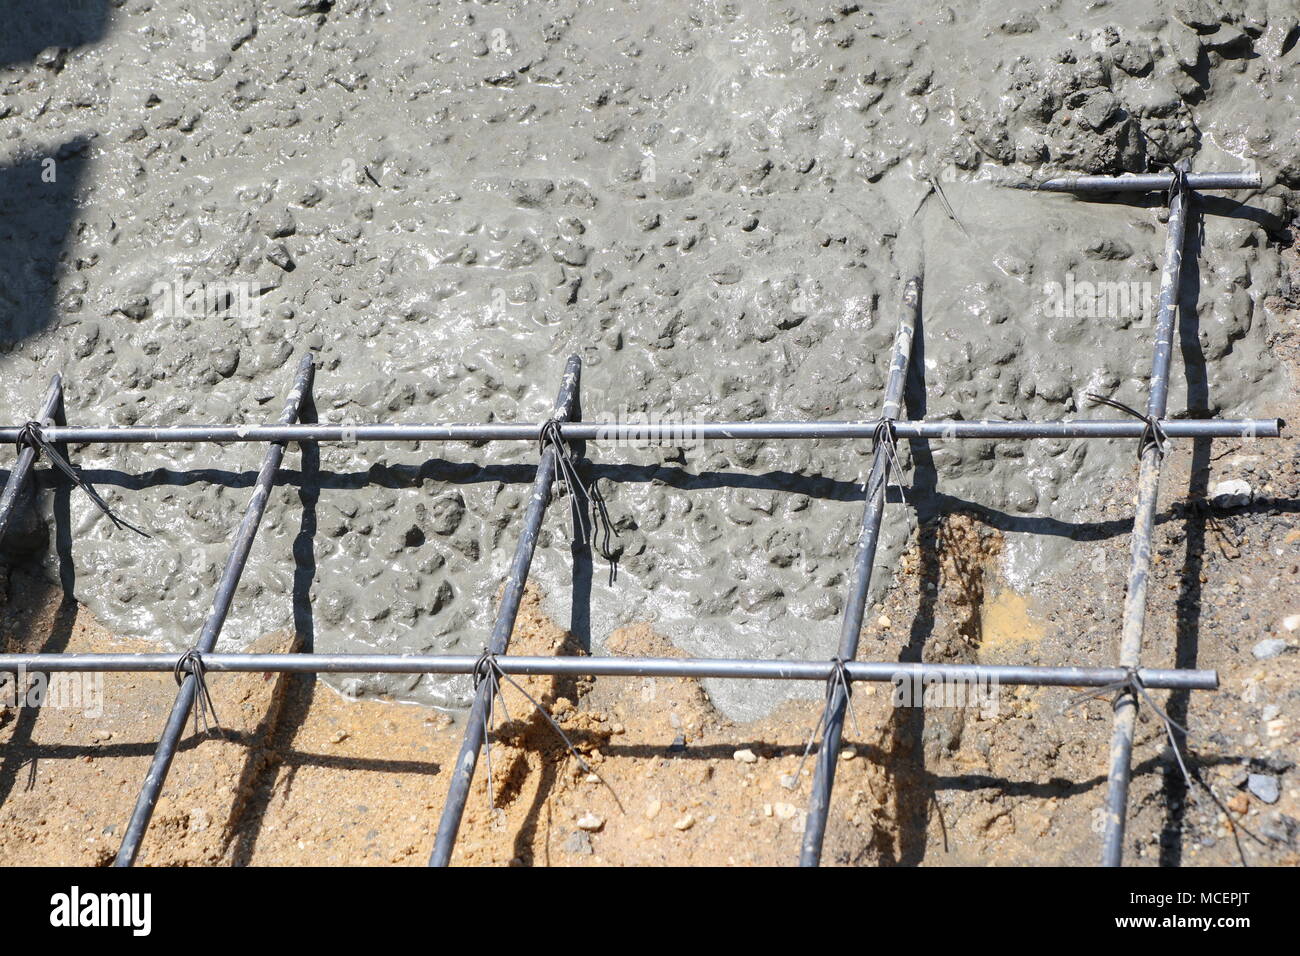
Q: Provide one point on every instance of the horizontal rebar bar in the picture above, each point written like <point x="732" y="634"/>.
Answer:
<point x="876" y="672"/>
<point x="1150" y="182"/>
<point x="665" y="433"/>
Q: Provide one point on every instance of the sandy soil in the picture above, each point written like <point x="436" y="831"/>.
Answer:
<point x="303" y="775"/>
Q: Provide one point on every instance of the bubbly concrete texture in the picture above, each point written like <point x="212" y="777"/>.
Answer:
<point x="713" y="203"/>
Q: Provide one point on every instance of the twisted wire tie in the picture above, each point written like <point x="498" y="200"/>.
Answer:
<point x="487" y="669"/>
<point x="1178" y="185"/>
<point x="192" y="662"/>
<point x="838" y="680"/>
<point x="885" y="435"/>
<point x="1153" y="433"/>
<point x="580" y="495"/>
<point x="31" y="436"/>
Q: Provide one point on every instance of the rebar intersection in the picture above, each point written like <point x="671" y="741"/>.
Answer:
<point x="884" y="432"/>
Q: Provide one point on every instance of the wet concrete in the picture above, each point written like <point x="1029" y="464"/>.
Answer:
<point x="713" y="203"/>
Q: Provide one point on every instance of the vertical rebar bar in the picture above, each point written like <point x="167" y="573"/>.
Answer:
<point x="241" y="545"/>
<point x="851" y="626"/>
<point x="1135" y="600"/>
<point x="475" y="732"/>
<point x="27" y="457"/>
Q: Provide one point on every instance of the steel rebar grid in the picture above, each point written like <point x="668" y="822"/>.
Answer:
<point x="678" y="432"/>
<point x="1135" y="599"/>
<point x="778" y="430"/>
<point x="27" y="456"/>
<point x="566" y="406"/>
<point x="696" y="667"/>
<point x="241" y="545"/>
<point x="900" y="361"/>
<point x="1149" y="182"/>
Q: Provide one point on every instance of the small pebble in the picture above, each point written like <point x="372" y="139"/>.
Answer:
<point x="685" y="823"/>
<point x="578" y="842"/>
<point x="744" y="756"/>
<point x="1271" y="647"/>
<point x="1281" y="828"/>
<point x="279" y="255"/>
<point x="1232" y="494"/>
<point x="652" y="809"/>
<point x="1264" y="786"/>
<point x="590" y="822"/>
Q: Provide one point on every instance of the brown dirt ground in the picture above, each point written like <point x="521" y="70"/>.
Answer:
<point x="304" y="776"/>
